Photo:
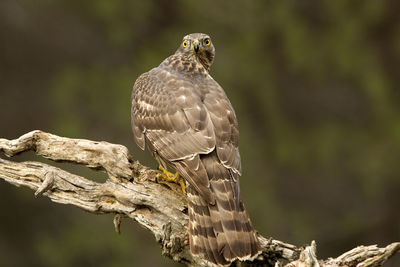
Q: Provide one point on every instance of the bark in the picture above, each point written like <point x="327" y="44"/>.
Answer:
<point x="132" y="191"/>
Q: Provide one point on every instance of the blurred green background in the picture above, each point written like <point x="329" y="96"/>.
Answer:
<point x="315" y="86"/>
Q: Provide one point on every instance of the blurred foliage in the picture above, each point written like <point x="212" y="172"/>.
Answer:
<point x="315" y="85"/>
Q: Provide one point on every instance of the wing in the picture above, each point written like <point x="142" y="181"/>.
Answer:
<point x="225" y="124"/>
<point x="168" y="114"/>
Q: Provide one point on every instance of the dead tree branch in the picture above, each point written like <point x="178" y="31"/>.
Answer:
<point x="132" y="191"/>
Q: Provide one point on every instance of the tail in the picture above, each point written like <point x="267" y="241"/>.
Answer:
<point x="221" y="232"/>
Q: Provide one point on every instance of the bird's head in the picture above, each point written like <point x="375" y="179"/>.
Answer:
<point x="199" y="46"/>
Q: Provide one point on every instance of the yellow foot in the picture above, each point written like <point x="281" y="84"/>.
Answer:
<point x="170" y="177"/>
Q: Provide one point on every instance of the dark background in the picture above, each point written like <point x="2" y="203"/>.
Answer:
<point x="315" y="86"/>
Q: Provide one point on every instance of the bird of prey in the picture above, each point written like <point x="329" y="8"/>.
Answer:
<point x="183" y="116"/>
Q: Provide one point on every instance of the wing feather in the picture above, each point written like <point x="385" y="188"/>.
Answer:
<point x="225" y="124"/>
<point x="171" y="115"/>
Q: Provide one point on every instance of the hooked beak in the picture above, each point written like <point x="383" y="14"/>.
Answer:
<point x="196" y="46"/>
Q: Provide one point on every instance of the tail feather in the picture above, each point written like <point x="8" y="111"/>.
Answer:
<point x="203" y="237"/>
<point x="220" y="236"/>
<point x="220" y="231"/>
<point x="236" y="223"/>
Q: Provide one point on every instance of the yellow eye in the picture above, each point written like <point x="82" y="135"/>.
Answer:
<point x="207" y="42"/>
<point x="185" y="43"/>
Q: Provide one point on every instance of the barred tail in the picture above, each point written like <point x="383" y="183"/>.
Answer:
<point x="221" y="232"/>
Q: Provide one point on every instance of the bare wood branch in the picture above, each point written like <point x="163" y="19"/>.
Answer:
<point x="132" y="191"/>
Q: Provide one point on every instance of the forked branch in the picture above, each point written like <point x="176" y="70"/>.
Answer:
<point x="132" y="191"/>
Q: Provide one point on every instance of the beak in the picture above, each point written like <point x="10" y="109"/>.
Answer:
<point x="196" y="46"/>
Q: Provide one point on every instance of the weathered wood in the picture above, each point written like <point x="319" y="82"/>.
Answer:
<point x="132" y="191"/>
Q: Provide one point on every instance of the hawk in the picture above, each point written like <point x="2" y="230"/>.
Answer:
<point x="183" y="116"/>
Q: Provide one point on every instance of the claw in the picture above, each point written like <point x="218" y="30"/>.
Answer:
<point x="170" y="177"/>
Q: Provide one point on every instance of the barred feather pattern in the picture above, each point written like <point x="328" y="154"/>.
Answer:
<point x="221" y="232"/>
<point x="183" y="116"/>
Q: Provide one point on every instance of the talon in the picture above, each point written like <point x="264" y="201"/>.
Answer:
<point x="182" y="183"/>
<point x="170" y="177"/>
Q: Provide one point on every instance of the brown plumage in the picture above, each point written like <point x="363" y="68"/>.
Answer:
<point x="185" y="119"/>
